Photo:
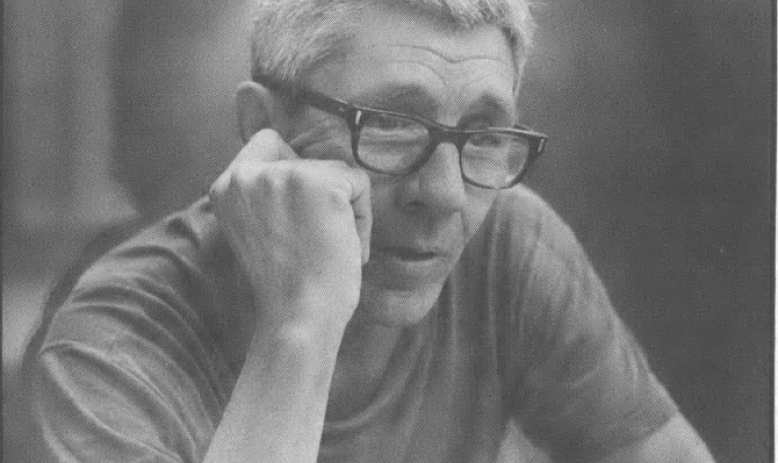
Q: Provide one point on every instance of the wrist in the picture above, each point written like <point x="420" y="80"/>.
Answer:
<point x="307" y="337"/>
<point x="309" y="307"/>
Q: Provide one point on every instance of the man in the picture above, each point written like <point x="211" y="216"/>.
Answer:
<point x="367" y="281"/>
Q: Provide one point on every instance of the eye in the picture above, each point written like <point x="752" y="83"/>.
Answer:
<point x="383" y="128"/>
<point x="487" y="140"/>
<point x="388" y="123"/>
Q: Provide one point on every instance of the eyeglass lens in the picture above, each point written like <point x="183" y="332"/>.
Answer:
<point x="394" y="144"/>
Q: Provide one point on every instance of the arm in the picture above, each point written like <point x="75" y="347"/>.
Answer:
<point x="276" y="412"/>
<point x="300" y="229"/>
<point x="129" y="370"/>
<point x="675" y="442"/>
<point x="584" y="386"/>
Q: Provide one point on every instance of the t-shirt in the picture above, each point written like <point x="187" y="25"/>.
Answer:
<point x="522" y="345"/>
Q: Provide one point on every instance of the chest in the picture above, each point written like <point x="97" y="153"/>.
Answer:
<point x="442" y="401"/>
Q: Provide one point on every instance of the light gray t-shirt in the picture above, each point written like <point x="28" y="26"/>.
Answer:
<point x="523" y="336"/>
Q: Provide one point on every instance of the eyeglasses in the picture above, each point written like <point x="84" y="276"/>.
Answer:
<point x="393" y="143"/>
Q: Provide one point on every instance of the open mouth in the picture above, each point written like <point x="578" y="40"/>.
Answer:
<point x="408" y="254"/>
<point x="406" y="268"/>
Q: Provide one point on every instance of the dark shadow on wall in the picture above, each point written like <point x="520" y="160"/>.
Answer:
<point x="662" y="158"/>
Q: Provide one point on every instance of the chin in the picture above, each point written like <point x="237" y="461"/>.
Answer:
<point x="398" y="308"/>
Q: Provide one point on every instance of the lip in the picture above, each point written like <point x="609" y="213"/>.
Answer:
<point x="410" y="254"/>
<point x="406" y="267"/>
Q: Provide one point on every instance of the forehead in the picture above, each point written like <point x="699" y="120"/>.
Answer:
<point x="393" y="48"/>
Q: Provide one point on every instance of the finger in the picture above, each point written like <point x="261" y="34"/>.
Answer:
<point x="265" y="146"/>
<point x="363" y="215"/>
<point x="209" y="230"/>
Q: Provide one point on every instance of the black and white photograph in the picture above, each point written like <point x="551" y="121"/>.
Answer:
<point x="388" y="231"/>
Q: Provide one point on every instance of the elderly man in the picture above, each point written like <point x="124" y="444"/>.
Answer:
<point x="367" y="281"/>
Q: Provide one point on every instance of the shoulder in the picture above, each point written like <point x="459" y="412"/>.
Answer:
<point x="522" y="231"/>
<point x="182" y="244"/>
<point x="182" y="255"/>
<point x="521" y="211"/>
<point x="160" y="284"/>
<point x="136" y="346"/>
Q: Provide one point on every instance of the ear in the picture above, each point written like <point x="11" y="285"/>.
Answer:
<point x="255" y="109"/>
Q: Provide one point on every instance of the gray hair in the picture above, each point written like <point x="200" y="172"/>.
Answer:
<point x="290" y="37"/>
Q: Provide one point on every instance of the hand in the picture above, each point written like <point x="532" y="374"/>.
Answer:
<point x="300" y="228"/>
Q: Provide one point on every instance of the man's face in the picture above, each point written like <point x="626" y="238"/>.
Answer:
<point x="422" y="221"/>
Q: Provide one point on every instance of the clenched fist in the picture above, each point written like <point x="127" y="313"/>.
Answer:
<point x="300" y="228"/>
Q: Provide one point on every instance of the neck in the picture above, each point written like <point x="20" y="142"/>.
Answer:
<point x="363" y="360"/>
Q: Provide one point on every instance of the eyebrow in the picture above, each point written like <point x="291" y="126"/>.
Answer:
<point x="416" y="99"/>
<point x="403" y="98"/>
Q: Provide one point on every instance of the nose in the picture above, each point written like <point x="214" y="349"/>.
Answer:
<point x="438" y="184"/>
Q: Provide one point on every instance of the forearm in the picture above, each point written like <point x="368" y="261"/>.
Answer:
<point x="276" y="412"/>
<point x="301" y="231"/>
<point x="675" y="442"/>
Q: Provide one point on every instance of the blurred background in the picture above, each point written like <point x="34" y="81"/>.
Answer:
<point x="661" y="158"/>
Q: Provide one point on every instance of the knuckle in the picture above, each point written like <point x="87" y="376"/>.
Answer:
<point x="361" y="177"/>
<point x="301" y="183"/>
<point x="264" y="145"/>
<point x="240" y="178"/>
<point x="269" y="136"/>
<point x="337" y="198"/>
<point x="271" y="179"/>
<point x="217" y="187"/>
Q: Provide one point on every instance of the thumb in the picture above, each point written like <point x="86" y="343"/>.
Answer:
<point x="363" y="215"/>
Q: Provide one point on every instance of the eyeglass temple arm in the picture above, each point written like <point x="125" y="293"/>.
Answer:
<point x="302" y="95"/>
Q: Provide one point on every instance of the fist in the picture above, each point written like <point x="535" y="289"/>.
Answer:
<point x="300" y="229"/>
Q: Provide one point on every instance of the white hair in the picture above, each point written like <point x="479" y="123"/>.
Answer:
<point x="290" y="37"/>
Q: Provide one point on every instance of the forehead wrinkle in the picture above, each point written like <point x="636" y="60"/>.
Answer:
<point x="468" y="66"/>
<point x="482" y="85"/>
<point x="453" y="73"/>
<point x="450" y="57"/>
<point x="456" y="69"/>
<point x="410" y="87"/>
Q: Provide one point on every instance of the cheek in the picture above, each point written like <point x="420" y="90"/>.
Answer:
<point x="327" y="150"/>
<point x="382" y="194"/>
<point x="323" y="138"/>
<point x="479" y="202"/>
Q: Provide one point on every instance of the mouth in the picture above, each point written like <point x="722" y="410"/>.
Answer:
<point x="407" y="253"/>
<point x="407" y="267"/>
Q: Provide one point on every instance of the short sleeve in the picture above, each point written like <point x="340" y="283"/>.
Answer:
<point x="92" y="409"/>
<point x="113" y="384"/>
<point x="579" y="382"/>
<point x="130" y="368"/>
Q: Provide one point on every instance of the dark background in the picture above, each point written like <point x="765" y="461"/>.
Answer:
<point x="661" y="117"/>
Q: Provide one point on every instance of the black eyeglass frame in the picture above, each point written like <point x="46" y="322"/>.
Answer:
<point x="356" y="116"/>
